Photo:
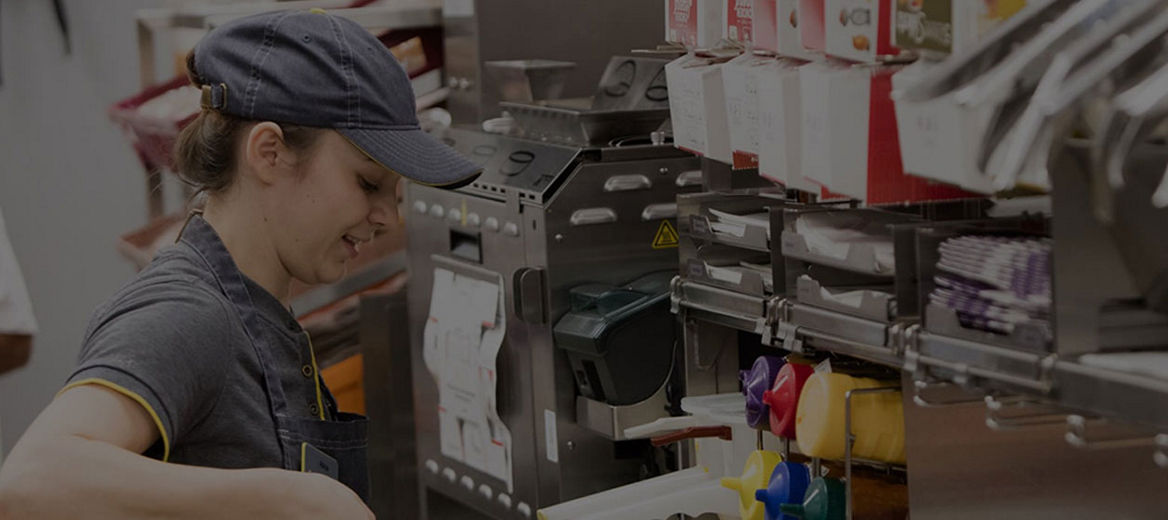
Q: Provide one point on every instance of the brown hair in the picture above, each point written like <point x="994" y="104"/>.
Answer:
<point x="204" y="155"/>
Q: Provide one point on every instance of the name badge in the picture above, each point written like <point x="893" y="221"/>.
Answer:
<point x="312" y="460"/>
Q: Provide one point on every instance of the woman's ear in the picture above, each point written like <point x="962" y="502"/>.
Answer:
<point x="265" y="153"/>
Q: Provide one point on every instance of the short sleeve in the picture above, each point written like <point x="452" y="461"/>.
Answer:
<point x="15" y="309"/>
<point x="167" y="347"/>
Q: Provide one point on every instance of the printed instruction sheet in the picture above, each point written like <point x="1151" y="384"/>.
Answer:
<point x="463" y="335"/>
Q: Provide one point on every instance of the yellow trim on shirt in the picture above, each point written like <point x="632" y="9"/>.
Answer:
<point x="315" y="376"/>
<point x="132" y="395"/>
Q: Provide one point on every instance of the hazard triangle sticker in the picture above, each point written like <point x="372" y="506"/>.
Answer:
<point x="666" y="236"/>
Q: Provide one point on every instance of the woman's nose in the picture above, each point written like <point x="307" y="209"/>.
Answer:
<point x="383" y="212"/>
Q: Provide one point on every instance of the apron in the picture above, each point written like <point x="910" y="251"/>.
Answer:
<point x="342" y="436"/>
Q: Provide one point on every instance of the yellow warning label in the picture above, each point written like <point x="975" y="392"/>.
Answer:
<point x="666" y="236"/>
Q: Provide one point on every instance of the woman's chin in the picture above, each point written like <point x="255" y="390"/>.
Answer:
<point x="333" y="273"/>
<point x="325" y="274"/>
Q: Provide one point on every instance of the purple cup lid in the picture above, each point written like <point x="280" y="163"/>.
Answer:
<point x="756" y="381"/>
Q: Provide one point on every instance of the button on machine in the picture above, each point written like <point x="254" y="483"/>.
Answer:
<point x="448" y="474"/>
<point x="524" y="509"/>
<point x="467" y="483"/>
<point x="432" y="466"/>
<point x="420" y="207"/>
<point x="454" y="215"/>
<point x="511" y="228"/>
<point x="505" y="500"/>
<point x="437" y="211"/>
<point x="492" y="224"/>
<point x="486" y="492"/>
<point x="472" y="219"/>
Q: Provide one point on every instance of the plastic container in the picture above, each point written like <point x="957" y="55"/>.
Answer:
<point x="872" y="499"/>
<point x="755" y="476"/>
<point x="788" y="485"/>
<point x="782" y="399"/>
<point x="826" y="499"/>
<point x="877" y="419"/>
<point x="755" y="382"/>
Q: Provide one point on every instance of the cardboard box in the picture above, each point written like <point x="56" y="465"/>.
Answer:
<point x="812" y="35"/>
<point x="942" y="138"/>
<point x="940" y="27"/>
<point x="742" y="79"/>
<point x="787" y="26"/>
<point x="697" y="106"/>
<point x="694" y="23"/>
<point x="850" y="143"/>
<point x="859" y="30"/>
<point x="752" y="22"/>
<point x="780" y="157"/>
<point x="939" y="137"/>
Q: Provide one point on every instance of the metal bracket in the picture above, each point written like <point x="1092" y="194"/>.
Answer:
<point x="1161" y="455"/>
<point x="675" y="294"/>
<point x="774" y="319"/>
<point x="921" y="386"/>
<point x="1017" y="412"/>
<point x="791" y="341"/>
<point x="1077" y="435"/>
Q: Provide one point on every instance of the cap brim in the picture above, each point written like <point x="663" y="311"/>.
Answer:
<point x="415" y="155"/>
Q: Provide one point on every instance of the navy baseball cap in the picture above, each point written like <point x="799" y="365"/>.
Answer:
<point x="312" y="68"/>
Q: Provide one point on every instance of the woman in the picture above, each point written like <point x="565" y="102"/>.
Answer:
<point x="307" y="123"/>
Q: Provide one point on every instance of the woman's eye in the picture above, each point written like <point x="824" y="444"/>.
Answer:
<point x="367" y="186"/>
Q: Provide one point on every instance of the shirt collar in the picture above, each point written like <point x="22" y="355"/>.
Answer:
<point x="200" y="236"/>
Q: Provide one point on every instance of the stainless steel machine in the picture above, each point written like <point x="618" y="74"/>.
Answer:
<point x="543" y="219"/>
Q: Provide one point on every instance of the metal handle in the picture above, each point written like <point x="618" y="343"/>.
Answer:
<point x="528" y="284"/>
<point x="689" y="178"/>
<point x="590" y="216"/>
<point x="695" y="432"/>
<point x="627" y="183"/>
<point x="659" y="211"/>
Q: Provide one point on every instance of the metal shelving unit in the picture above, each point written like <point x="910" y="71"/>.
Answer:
<point x="1063" y="383"/>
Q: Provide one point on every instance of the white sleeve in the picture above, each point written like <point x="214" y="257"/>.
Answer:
<point x="15" y="309"/>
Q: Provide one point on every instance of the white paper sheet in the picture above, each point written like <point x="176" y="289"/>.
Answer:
<point x="697" y="107"/>
<point x="462" y="339"/>
<point x="736" y="224"/>
<point x="834" y="235"/>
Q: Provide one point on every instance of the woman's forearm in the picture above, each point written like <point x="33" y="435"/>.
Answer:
<point x="72" y="477"/>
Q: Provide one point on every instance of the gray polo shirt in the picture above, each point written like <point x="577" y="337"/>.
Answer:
<point x="172" y="341"/>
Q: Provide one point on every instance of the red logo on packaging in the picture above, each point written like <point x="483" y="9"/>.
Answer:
<point x="683" y="22"/>
<point x="740" y="20"/>
<point x="745" y="160"/>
